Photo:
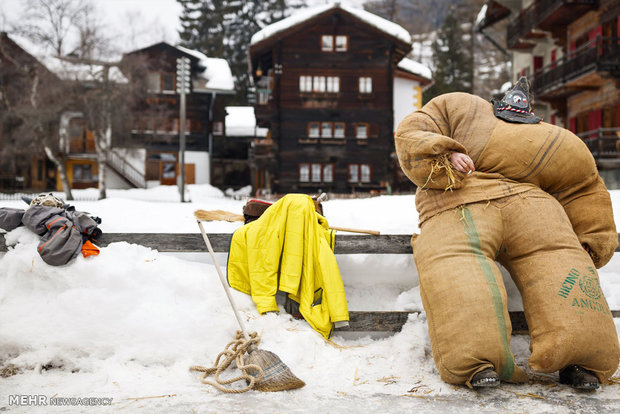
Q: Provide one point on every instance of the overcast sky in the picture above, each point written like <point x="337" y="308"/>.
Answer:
<point x="132" y="23"/>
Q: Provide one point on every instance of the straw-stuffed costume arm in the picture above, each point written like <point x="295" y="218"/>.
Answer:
<point x="588" y="207"/>
<point x="424" y="146"/>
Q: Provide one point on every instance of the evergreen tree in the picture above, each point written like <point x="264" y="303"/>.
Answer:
<point x="224" y="28"/>
<point x="452" y="61"/>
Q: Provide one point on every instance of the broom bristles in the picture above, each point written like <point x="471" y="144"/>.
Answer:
<point x="217" y="215"/>
<point x="277" y="376"/>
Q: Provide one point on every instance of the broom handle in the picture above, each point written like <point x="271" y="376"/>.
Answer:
<point x="223" y="280"/>
<point x="373" y="232"/>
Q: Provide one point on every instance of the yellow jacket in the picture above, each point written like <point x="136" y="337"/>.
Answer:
<point x="290" y="248"/>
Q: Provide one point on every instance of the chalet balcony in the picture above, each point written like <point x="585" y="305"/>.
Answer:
<point x="545" y="15"/>
<point x="586" y="67"/>
<point x="604" y="143"/>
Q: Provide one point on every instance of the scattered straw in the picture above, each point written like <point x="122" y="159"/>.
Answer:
<point x="527" y="395"/>
<point x="389" y="380"/>
<point x="438" y="164"/>
<point x="151" y="397"/>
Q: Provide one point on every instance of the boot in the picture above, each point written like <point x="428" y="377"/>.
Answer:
<point x="485" y="378"/>
<point x="579" y="378"/>
<point x="292" y="308"/>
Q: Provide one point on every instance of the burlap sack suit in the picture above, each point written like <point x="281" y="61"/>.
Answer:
<point x="533" y="203"/>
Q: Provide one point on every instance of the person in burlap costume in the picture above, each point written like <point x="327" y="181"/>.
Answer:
<point x="495" y="183"/>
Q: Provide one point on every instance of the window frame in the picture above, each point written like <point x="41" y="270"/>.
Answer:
<point x="324" y="47"/>
<point x="346" y="43"/>
<point x="303" y="167"/>
<point x="362" y="124"/>
<point x="309" y="129"/>
<point x="332" y="84"/>
<point x="344" y="130"/>
<point x="364" y="84"/>
<point x="331" y="129"/>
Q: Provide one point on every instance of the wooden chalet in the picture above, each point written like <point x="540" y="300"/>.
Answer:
<point x="155" y="116"/>
<point x="324" y="83"/>
<point x="571" y="52"/>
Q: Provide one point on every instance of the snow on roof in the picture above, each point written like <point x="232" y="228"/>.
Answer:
<point x="81" y="72"/>
<point x="416" y="68"/>
<point x="241" y="122"/>
<point x="303" y="15"/>
<point x="216" y="76"/>
<point x="481" y="15"/>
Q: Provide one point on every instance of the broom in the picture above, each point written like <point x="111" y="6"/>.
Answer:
<point x="276" y="374"/>
<point x="221" y="215"/>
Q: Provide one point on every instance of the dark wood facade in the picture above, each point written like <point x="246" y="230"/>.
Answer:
<point x="155" y="115"/>
<point x="329" y="129"/>
<point x="23" y="164"/>
<point x="574" y="66"/>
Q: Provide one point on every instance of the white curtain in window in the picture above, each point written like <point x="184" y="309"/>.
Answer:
<point x="328" y="173"/>
<point x="304" y="173"/>
<point x="316" y="173"/>
<point x="326" y="130"/>
<point x="365" y="173"/>
<point x="353" y="173"/>
<point x="313" y="130"/>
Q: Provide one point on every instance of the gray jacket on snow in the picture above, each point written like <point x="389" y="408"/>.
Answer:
<point x="62" y="231"/>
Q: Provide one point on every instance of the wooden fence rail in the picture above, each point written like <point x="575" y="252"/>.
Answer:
<point x="384" y="321"/>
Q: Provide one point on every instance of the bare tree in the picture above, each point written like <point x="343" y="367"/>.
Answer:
<point x="33" y="101"/>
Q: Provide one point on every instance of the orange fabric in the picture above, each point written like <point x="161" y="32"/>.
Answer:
<point x="89" y="249"/>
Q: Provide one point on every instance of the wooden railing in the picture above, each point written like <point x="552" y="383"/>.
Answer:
<point x="531" y="17"/>
<point x="602" y="142"/>
<point x="377" y="321"/>
<point x="599" y="54"/>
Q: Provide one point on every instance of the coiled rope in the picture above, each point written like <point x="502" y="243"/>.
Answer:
<point x="234" y="351"/>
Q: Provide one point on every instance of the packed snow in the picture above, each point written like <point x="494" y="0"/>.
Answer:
<point x="129" y="323"/>
<point x="241" y="122"/>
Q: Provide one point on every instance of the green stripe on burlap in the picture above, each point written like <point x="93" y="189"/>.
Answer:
<point x="474" y="243"/>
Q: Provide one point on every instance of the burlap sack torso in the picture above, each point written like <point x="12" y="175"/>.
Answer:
<point x="509" y="158"/>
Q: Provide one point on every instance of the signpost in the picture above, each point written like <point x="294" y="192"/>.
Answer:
<point x="183" y="88"/>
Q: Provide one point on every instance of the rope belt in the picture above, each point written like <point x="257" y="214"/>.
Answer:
<point x="234" y="351"/>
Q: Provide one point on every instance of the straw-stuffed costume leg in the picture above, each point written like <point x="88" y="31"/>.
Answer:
<point x="463" y="293"/>
<point x="494" y="182"/>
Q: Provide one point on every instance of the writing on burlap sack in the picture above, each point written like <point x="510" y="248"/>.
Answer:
<point x="588" y="295"/>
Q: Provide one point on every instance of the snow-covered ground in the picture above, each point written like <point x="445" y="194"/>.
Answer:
<point x="128" y="323"/>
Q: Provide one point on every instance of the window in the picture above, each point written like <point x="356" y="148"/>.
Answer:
<point x="365" y="84"/>
<point x="318" y="84"/>
<point x="339" y="130"/>
<point x="316" y="173"/>
<point x="153" y="82"/>
<point x="327" y="43"/>
<point x="82" y="172"/>
<point x="365" y="173"/>
<point x="333" y="84"/>
<point x="168" y="83"/>
<point x="218" y="128"/>
<point x="326" y="129"/>
<point x="342" y="43"/>
<point x="359" y="173"/>
<point x="305" y="84"/>
<point x="304" y="173"/>
<point x="328" y="173"/>
<point x="361" y="131"/>
<point x="313" y="130"/>
<point x="353" y="173"/>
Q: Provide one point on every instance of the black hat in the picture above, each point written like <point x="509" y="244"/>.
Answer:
<point x="516" y="104"/>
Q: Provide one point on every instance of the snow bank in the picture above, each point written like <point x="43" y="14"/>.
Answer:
<point x="129" y="322"/>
